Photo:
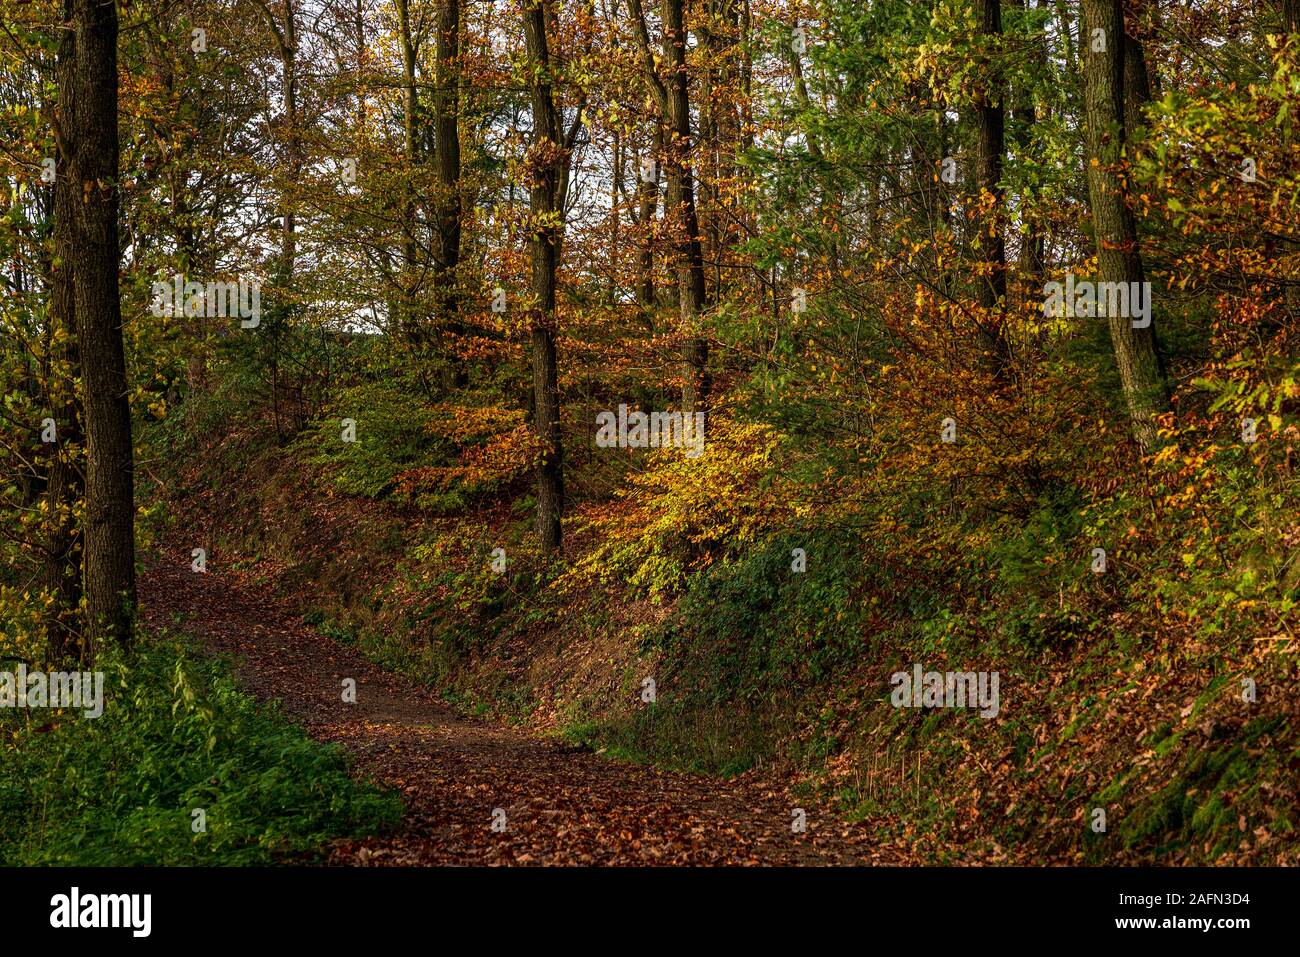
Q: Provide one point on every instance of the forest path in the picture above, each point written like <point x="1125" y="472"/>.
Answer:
<point x="562" y="806"/>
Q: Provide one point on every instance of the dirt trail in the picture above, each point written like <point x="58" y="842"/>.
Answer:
<point x="562" y="806"/>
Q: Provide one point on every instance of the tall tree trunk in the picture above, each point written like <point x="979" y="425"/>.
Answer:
<point x="1032" y="247"/>
<point x="406" y="322"/>
<point x="1137" y="86"/>
<point x="286" y="38"/>
<point x="62" y="560"/>
<point x="649" y="196"/>
<point x="546" y="154"/>
<point x="929" y="195"/>
<point x="288" y="58"/>
<point x="681" y="202"/>
<point x="285" y="31"/>
<point x="719" y="140"/>
<point x="1119" y="258"/>
<point x="446" y="162"/>
<point x="359" y="20"/>
<point x="990" y="118"/>
<point x="92" y="142"/>
<point x="1291" y="23"/>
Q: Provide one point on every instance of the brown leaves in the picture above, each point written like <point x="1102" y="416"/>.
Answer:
<point x="561" y="806"/>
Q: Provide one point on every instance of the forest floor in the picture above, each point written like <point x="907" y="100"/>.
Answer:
<point x="562" y="805"/>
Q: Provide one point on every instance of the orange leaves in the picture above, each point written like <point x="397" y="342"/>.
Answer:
<point x="462" y="424"/>
<point x="501" y="458"/>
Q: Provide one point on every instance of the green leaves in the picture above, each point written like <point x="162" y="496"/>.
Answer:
<point x="176" y="734"/>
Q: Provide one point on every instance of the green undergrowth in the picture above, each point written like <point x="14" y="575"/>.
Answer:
<point x="176" y="736"/>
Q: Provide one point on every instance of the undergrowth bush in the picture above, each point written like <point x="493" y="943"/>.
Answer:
<point x="176" y="734"/>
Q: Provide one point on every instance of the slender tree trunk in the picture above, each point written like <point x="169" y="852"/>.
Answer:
<point x="727" y="112"/>
<point x="359" y="24"/>
<point x="62" y="571"/>
<point x="546" y="155"/>
<point x="649" y="195"/>
<point x="616" y="190"/>
<point x="930" y="195"/>
<point x="681" y="202"/>
<point x="1026" y="117"/>
<point x="446" y="162"/>
<point x="1119" y="259"/>
<point x="706" y="153"/>
<point x="1291" y="23"/>
<point x="288" y="58"/>
<point x="92" y="142"/>
<point x="285" y="31"/>
<point x="410" y="98"/>
<point x="719" y="140"/>
<point x="991" y="129"/>
<point x="1137" y="86"/>
<point x="410" y="142"/>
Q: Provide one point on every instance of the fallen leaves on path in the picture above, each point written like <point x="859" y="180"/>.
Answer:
<point x="561" y="805"/>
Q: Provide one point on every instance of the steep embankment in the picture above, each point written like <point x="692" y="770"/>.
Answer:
<point x="754" y="669"/>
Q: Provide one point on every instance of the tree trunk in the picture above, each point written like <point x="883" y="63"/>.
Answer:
<point x="681" y="202"/>
<point x="1291" y="23"/>
<point x="1118" y="257"/>
<point x="649" y="196"/>
<point x="410" y="120"/>
<point x="446" y="161"/>
<point x="62" y="559"/>
<point x="1032" y="247"/>
<point x="546" y="155"/>
<point x="286" y="40"/>
<point x="92" y="142"/>
<point x="991" y="129"/>
<point x="288" y="57"/>
<point x="1137" y="87"/>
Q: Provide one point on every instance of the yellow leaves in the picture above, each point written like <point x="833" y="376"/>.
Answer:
<point x="684" y="513"/>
